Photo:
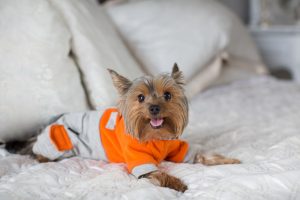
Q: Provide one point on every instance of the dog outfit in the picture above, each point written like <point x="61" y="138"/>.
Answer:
<point x="101" y="135"/>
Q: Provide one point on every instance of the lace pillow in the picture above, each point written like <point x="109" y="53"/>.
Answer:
<point x="38" y="79"/>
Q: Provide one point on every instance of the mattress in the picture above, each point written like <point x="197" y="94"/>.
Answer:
<point x="255" y="120"/>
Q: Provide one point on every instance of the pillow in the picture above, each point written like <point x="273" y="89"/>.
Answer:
<point x="97" y="46"/>
<point x="38" y="79"/>
<point x="192" y="33"/>
<point x="207" y="76"/>
<point x="160" y="33"/>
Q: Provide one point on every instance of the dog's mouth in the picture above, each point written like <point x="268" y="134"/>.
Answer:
<point x="156" y="123"/>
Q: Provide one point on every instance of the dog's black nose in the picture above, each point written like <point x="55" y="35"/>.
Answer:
<point x="154" y="109"/>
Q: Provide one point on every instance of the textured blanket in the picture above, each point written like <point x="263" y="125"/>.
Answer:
<point x="256" y="121"/>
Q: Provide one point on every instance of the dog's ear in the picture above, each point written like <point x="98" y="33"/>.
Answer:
<point x="177" y="75"/>
<point x="121" y="83"/>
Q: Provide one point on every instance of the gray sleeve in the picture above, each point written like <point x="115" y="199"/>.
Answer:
<point x="143" y="169"/>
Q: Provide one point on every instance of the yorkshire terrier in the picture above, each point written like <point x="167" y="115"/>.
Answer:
<point x="141" y="132"/>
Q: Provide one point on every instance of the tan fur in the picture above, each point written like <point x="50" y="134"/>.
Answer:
<point x="214" y="159"/>
<point x="165" y="180"/>
<point x="41" y="159"/>
<point x="136" y="115"/>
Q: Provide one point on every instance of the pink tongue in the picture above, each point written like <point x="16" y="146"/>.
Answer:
<point x="156" y="122"/>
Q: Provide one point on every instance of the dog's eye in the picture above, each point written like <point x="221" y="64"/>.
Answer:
<point x="167" y="96"/>
<point x="141" y="98"/>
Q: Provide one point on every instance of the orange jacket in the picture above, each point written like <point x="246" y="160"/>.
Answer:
<point x="121" y="147"/>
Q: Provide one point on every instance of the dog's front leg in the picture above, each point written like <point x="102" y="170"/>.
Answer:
<point x="165" y="180"/>
<point x="41" y="159"/>
<point x="214" y="159"/>
<point x="197" y="155"/>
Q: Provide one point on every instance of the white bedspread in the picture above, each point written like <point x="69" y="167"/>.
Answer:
<point x="256" y="121"/>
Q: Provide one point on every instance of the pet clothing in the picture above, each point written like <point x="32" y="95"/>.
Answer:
<point x="102" y="135"/>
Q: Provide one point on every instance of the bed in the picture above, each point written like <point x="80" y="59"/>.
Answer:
<point x="245" y="120"/>
<point x="239" y="112"/>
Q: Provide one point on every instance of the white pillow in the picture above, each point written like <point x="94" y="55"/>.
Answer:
<point x="160" y="33"/>
<point x="97" y="46"/>
<point x="38" y="79"/>
<point x="193" y="33"/>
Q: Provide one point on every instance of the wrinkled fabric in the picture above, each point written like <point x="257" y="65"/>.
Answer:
<point x="256" y="121"/>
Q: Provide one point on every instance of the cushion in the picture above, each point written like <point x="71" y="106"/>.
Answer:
<point x="38" y="79"/>
<point x="160" y="33"/>
<point x="97" y="46"/>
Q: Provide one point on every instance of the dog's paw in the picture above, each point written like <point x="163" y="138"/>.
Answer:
<point x="215" y="159"/>
<point x="41" y="159"/>
<point x="165" y="180"/>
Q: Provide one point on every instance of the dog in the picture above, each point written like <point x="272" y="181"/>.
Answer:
<point x="143" y="130"/>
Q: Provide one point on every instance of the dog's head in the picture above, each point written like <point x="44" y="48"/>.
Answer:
<point x="154" y="108"/>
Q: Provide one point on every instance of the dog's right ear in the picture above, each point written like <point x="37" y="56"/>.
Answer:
<point x="177" y="75"/>
<point x="121" y="83"/>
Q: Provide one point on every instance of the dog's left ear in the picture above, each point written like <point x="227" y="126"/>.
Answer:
<point x="121" y="83"/>
<point x="177" y="75"/>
